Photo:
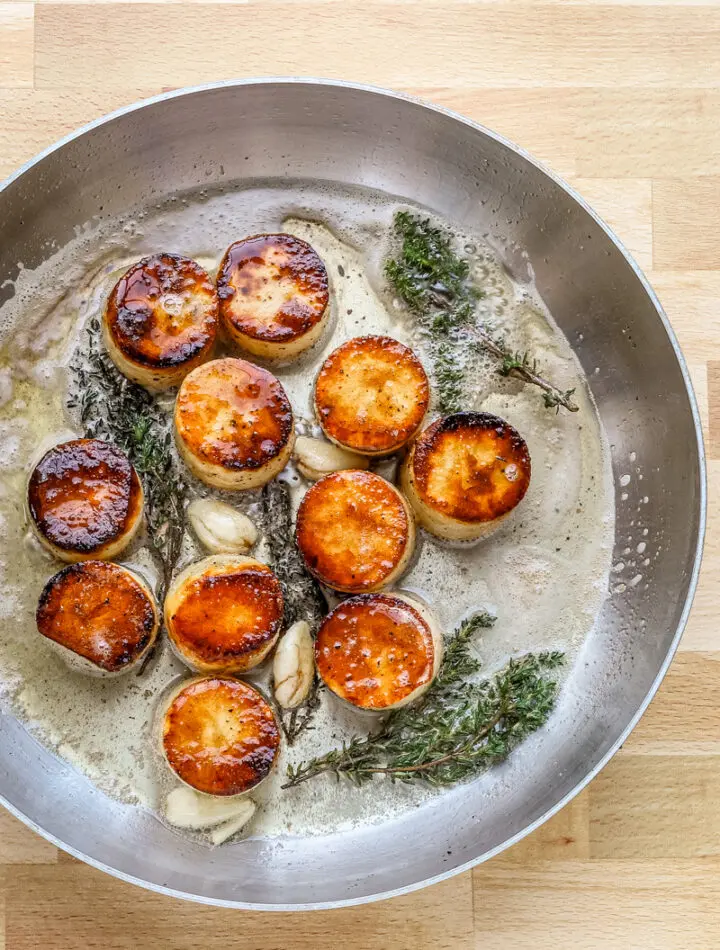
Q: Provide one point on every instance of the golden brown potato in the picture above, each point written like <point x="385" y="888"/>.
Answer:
<point x="378" y="651"/>
<point x="273" y="291"/>
<point x="465" y="474"/>
<point x="219" y="735"/>
<point x="102" y="615"/>
<point x="234" y="424"/>
<point x="85" y="500"/>
<point x="355" y="531"/>
<point x="161" y="320"/>
<point x="224" y="613"/>
<point x="371" y="395"/>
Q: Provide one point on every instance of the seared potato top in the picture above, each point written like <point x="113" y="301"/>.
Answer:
<point x="374" y="650"/>
<point x="223" y="609"/>
<point x="163" y="312"/>
<point x="353" y="529"/>
<point x="220" y="736"/>
<point x="371" y="394"/>
<point x="471" y="466"/>
<point x="100" y="611"/>
<point x="84" y="494"/>
<point x="272" y="287"/>
<point x="233" y="414"/>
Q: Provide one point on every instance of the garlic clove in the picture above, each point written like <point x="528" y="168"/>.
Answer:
<point x="185" y="808"/>
<point x="220" y="528"/>
<point x="316" y="458"/>
<point x="221" y="833"/>
<point x="294" y="665"/>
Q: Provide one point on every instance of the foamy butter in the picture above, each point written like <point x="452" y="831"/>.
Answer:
<point x="545" y="574"/>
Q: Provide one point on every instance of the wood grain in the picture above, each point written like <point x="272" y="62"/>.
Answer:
<point x="623" y="98"/>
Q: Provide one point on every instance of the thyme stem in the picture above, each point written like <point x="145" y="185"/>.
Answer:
<point x="112" y="408"/>
<point x="302" y="595"/>
<point x="457" y="729"/>
<point x="434" y="283"/>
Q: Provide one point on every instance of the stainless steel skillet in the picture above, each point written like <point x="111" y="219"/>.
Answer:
<point x="339" y="132"/>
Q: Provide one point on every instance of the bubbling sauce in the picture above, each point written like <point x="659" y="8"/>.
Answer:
<point x="545" y="573"/>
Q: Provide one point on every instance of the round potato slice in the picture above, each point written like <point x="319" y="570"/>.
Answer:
<point x="273" y="291"/>
<point x="378" y="651"/>
<point x="161" y="320"/>
<point x="371" y="395"/>
<point x="102" y="616"/>
<point x="85" y="500"/>
<point x="355" y="531"/>
<point x="219" y="735"/>
<point x="465" y="474"/>
<point x="233" y="424"/>
<point x="224" y="613"/>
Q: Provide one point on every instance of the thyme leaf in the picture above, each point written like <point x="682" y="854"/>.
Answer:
<point x="112" y="408"/>
<point x="434" y="283"/>
<point x="301" y="593"/>
<point x="458" y="729"/>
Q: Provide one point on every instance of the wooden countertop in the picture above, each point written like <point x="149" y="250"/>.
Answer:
<point x="624" y="101"/>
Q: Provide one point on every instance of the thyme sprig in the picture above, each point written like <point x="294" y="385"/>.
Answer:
<point x="112" y="408"/>
<point x="458" y="729"/>
<point x="301" y="593"/>
<point x="434" y="283"/>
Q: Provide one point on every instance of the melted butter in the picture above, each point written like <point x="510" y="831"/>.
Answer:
<point x="544" y="574"/>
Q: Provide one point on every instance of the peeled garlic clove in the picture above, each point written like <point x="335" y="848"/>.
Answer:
<point x="220" y="528"/>
<point x="185" y="808"/>
<point x="294" y="666"/>
<point x="316" y="458"/>
<point x="222" y="832"/>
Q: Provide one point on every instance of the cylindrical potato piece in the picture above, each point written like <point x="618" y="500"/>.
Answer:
<point x="379" y="651"/>
<point x="371" y="395"/>
<point x="465" y="474"/>
<point x="219" y="735"/>
<point x="161" y="320"/>
<point x="100" y="616"/>
<point x="233" y="424"/>
<point x="85" y="500"/>
<point x="224" y="613"/>
<point x="355" y="531"/>
<point x="274" y="295"/>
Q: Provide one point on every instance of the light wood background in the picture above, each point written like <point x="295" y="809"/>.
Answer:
<point x="623" y="100"/>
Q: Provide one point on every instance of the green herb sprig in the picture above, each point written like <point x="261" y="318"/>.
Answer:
<point x="434" y="283"/>
<point x="112" y="408"/>
<point x="458" y="729"/>
<point x="301" y="593"/>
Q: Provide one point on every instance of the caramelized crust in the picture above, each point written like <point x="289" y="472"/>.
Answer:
<point x="471" y="466"/>
<point x="85" y="499"/>
<point x="375" y="651"/>
<point x="371" y="395"/>
<point x="273" y="288"/>
<point x="101" y="612"/>
<point x="355" y="531"/>
<point x="234" y="423"/>
<point x="220" y="736"/>
<point x="224" y="613"/>
<point x="162" y="316"/>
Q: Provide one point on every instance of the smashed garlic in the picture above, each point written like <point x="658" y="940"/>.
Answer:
<point x="220" y="528"/>
<point x="185" y="808"/>
<point x="293" y="666"/>
<point x="221" y="833"/>
<point x="316" y="458"/>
